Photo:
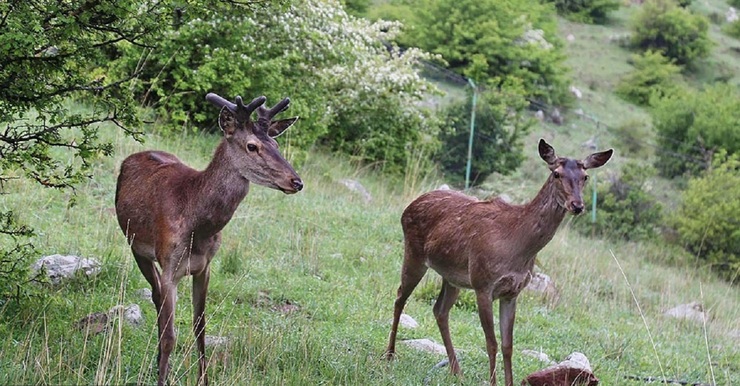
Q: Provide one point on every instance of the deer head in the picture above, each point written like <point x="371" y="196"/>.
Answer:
<point x="569" y="175"/>
<point x="251" y="144"/>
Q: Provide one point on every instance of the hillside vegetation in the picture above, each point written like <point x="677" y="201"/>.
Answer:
<point x="303" y="285"/>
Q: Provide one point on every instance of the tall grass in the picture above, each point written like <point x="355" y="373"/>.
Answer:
<point x="303" y="289"/>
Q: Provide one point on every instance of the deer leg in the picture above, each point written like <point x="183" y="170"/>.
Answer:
<point x="484" y="299"/>
<point x="447" y="297"/>
<point x="151" y="274"/>
<point x="166" y="323"/>
<point x="507" y="315"/>
<point x="411" y="275"/>
<point x="200" y="289"/>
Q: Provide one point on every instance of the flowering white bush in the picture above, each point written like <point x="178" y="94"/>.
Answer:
<point x="352" y="92"/>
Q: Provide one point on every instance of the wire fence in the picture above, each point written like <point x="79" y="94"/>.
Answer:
<point x="435" y="71"/>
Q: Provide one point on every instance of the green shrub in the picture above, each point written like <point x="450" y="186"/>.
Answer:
<point x="631" y="135"/>
<point x="16" y="291"/>
<point x="707" y="219"/>
<point x="732" y="29"/>
<point x="654" y="77"/>
<point x="512" y="40"/>
<point x="500" y="125"/>
<point x="624" y="207"/>
<point x="692" y="125"/>
<point x="586" y="11"/>
<point x="351" y="92"/>
<point x="663" y="26"/>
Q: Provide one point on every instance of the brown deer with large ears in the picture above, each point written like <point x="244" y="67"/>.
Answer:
<point x="489" y="246"/>
<point x="173" y="215"/>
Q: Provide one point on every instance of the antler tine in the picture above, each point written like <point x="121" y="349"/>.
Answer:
<point x="243" y="112"/>
<point x="280" y="106"/>
<point x="219" y="101"/>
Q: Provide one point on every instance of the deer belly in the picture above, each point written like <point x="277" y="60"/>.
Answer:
<point x="455" y="276"/>
<point x="509" y="286"/>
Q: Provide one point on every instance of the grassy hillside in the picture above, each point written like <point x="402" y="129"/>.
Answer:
<point x="303" y="286"/>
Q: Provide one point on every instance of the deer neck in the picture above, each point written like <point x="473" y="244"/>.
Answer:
<point x="222" y="189"/>
<point x="545" y="212"/>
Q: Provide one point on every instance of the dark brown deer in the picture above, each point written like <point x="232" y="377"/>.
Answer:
<point x="489" y="246"/>
<point x="173" y="215"/>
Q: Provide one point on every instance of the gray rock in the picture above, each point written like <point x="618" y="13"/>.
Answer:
<point x="543" y="284"/>
<point x="731" y="15"/>
<point x="144" y="293"/>
<point x="131" y="314"/>
<point x="357" y="187"/>
<point x="408" y="322"/>
<point x="427" y="345"/>
<point x="539" y="355"/>
<point x="212" y="340"/>
<point x="693" y="311"/>
<point x="59" y="267"/>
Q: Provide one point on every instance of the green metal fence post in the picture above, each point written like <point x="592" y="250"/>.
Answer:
<point x="472" y="130"/>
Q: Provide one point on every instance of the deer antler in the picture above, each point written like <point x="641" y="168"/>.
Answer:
<point x="242" y="112"/>
<point x="268" y="114"/>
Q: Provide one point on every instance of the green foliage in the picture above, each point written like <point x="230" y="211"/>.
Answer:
<point x="707" y="219"/>
<point x="356" y="7"/>
<point x="654" y="77"/>
<point x="677" y="33"/>
<point x="500" y="125"/>
<point x="586" y="11"/>
<point x="631" y="135"/>
<point x="624" y="208"/>
<point x="492" y="39"/>
<point x="15" y="262"/>
<point x="732" y="29"/>
<point x="692" y="125"/>
<point x="353" y="93"/>
<point x="48" y="54"/>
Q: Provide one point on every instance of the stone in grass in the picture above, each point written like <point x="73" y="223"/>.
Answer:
<point x="99" y="322"/>
<point x="427" y="345"/>
<point x="58" y="267"/>
<point x="357" y="187"/>
<point x="693" y="311"/>
<point x="574" y="370"/>
<point x="407" y="321"/>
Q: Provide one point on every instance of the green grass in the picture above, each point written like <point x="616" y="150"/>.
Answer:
<point x="336" y="260"/>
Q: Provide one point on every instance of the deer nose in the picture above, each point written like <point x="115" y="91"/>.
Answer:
<point x="297" y="184"/>
<point x="577" y="207"/>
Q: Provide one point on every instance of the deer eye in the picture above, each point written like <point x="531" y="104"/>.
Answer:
<point x="585" y="178"/>
<point x="556" y="174"/>
<point x="251" y="147"/>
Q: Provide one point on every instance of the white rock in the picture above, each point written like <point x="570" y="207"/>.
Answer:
<point x="427" y="345"/>
<point x="357" y="187"/>
<point x="144" y="293"/>
<point x="131" y="313"/>
<point x="212" y="340"/>
<point x="576" y="360"/>
<point x="408" y="322"/>
<point x="539" y="355"/>
<point x="693" y="311"/>
<point x="444" y="187"/>
<point x="731" y="15"/>
<point x="576" y="92"/>
<point x="59" y="267"/>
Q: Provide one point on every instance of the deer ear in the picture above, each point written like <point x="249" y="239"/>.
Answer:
<point x="597" y="159"/>
<point x="547" y="153"/>
<point x="278" y="127"/>
<point x="227" y="121"/>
